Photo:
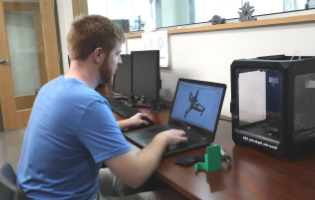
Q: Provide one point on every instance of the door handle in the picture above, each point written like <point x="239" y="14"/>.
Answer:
<point x="3" y="61"/>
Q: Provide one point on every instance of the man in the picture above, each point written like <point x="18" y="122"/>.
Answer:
<point x="71" y="130"/>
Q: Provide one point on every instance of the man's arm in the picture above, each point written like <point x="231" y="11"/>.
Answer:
<point x="134" y="169"/>
<point x="134" y="121"/>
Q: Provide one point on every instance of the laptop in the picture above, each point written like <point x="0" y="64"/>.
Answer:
<point x="196" y="110"/>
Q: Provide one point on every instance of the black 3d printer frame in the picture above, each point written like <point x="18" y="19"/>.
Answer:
<point x="289" y="69"/>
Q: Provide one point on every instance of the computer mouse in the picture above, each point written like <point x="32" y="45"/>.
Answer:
<point x="148" y="120"/>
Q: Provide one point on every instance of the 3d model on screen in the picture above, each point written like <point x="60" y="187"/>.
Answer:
<point x="194" y="104"/>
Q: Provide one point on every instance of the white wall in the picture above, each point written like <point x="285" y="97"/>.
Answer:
<point x="208" y="55"/>
<point x="65" y="16"/>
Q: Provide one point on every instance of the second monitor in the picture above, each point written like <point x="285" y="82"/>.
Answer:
<point x="146" y="82"/>
<point x="122" y="83"/>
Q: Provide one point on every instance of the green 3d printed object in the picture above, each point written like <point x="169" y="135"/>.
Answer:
<point x="212" y="159"/>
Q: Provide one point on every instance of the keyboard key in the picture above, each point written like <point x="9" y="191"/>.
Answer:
<point x="121" y="108"/>
<point x="159" y="129"/>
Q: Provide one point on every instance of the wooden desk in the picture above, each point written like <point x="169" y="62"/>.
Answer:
<point x="252" y="175"/>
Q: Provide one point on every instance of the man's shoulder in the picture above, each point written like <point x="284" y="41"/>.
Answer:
<point x="88" y="93"/>
<point x="70" y="90"/>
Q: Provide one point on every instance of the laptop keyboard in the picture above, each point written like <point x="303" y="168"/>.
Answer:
<point x="190" y="139"/>
<point x="158" y="129"/>
<point x="121" y="108"/>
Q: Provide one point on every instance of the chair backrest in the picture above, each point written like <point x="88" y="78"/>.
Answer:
<point x="8" y="188"/>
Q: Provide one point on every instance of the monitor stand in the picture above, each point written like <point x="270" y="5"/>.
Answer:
<point x="154" y="105"/>
<point x="141" y="102"/>
<point x="130" y="100"/>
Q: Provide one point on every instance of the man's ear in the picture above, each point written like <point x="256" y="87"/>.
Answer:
<point x="97" y="54"/>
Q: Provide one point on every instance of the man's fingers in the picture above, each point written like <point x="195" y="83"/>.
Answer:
<point x="180" y="132"/>
<point x="183" y="133"/>
<point x="145" y="122"/>
<point x="147" y="116"/>
<point x="184" y="139"/>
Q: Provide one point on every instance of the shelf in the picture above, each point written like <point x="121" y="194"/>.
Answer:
<point x="265" y="22"/>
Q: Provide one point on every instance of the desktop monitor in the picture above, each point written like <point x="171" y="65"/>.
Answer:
<point x="146" y="81"/>
<point x="123" y="77"/>
<point x="123" y="24"/>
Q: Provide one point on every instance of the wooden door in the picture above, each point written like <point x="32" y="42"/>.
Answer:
<point x="28" y="43"/>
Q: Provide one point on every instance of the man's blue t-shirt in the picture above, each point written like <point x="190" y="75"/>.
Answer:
<point x="70" y="132"/>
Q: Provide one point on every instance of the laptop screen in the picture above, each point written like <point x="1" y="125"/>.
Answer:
<point x="197" y="104"/>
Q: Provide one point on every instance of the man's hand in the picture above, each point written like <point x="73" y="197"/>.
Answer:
<point x="174" y="136"/>
<point x="134" y="121"/>
<point x="138" y="120"/>
<point x="134" y="169"/>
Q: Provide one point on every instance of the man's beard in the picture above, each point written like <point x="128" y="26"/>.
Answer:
<point x="106" y="73"/>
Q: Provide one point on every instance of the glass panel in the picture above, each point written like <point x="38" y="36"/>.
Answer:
<point x="165" y="13"/>
<point x="23" y="51"/>
<point x="304" y="107"/>
<point x="252" y="95"/>
<point x="259" y="102"/>
<point x="26" y="48"/>
<point x="135" y="12"/>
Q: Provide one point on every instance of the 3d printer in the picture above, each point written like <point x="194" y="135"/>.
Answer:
<point x="273" y="104"/>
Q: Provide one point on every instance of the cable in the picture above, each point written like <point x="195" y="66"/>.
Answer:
<point x="164" y="106"/>
<point x="295" y="53"/>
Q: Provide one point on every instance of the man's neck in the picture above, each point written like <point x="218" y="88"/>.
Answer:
<point x="83" y="71"/>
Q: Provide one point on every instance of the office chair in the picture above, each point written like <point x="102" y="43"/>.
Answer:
<point x="8" y="188"/>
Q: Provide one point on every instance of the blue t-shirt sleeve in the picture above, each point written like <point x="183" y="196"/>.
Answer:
<point x="100" y="134"/>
